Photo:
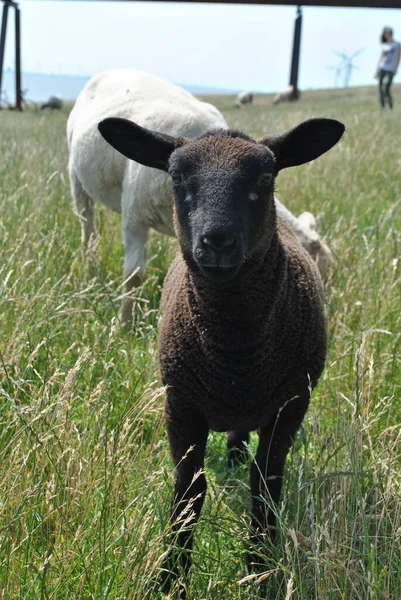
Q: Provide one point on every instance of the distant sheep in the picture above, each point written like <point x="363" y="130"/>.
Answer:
<point x="243" y="337"/>
<point x="54" y="103"/>
<point x="243" y="98"/>
<point x="143" y="196"/>
<point x="286" y="95"/>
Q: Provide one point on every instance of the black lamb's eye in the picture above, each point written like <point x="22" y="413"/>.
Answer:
<point x="265" y="179"/>
<point x="176" y="177"/>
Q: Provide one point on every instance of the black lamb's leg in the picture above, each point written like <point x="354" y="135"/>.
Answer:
<point x="237" y="446"/>
<point x="187" y="437"/>
<point x="267" y="470"/>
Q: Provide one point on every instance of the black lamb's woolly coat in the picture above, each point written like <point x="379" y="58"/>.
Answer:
<point x="243" y="339"/>
<point x="235" y="355"/>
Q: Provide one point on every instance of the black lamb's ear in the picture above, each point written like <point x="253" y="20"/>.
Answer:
<point x="147" y="147"/>
<point x="303" y="143"/>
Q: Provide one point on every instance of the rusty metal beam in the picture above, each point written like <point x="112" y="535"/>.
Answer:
<point x="349" y="4"/>
<point x="331" y="3"/>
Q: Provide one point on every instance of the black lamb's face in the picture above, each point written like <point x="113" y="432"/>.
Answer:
<point x="223" y="184"/>
<point x="224" y="202"/>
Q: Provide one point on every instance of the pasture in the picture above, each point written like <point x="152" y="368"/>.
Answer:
<point x="85" y="473"/>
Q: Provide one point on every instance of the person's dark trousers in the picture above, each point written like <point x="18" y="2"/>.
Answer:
<point x="385" y="81"/>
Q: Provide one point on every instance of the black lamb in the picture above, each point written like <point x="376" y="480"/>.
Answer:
<point x="243" y="338"/>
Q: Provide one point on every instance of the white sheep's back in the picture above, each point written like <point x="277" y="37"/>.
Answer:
<point x="149" y="101"/>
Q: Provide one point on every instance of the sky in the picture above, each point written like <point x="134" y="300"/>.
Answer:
<point x="225" y="46"/>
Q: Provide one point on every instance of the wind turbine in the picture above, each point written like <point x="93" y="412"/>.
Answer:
<point x="337" y="72"/>
<point x="348" y="64"/>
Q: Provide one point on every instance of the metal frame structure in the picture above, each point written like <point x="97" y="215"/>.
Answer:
<point x="7" y="4"/>
<point x="330" y="3"/>
<point x="296" y="40"/>
<point x="296" y="52"/>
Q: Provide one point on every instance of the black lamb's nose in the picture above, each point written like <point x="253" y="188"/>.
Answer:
<point x="218" y="241"/>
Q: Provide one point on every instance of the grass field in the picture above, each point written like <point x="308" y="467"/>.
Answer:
<point x="85" y="473"/>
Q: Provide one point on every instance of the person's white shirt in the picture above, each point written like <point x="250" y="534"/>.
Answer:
<point x="388" y="61"/>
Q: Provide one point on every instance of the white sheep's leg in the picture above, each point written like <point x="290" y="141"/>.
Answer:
<point x="85" y="211"/>
<point x="134" y="237"/>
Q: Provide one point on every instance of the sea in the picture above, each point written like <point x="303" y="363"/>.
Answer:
<point x="38" y="87"/>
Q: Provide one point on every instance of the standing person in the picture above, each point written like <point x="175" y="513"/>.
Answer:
<point x="388" y="65"/>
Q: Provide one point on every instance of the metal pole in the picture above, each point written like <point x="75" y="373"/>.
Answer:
<point x="18" y="96"/>
<point x="3" y="42"/>
<point x="296" y="48"/>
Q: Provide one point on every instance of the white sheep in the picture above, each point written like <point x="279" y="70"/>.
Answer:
<point x="98" y="172"/>
<point x="244" y="97"/>
<point x="142" y="194"/>
<point x="285" y="95"/>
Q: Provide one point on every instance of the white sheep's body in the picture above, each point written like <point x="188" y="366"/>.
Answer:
<point x="304" y="227"/>
<point x="244" y="97"/>
<point x="99" y="173"/>
<point x="284" y="95"/>
<point x="141" y="194"/>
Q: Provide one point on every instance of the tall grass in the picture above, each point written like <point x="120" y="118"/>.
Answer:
<point x="85" y="473"/>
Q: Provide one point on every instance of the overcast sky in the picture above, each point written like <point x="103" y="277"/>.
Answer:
<point x="218" y="45"/>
